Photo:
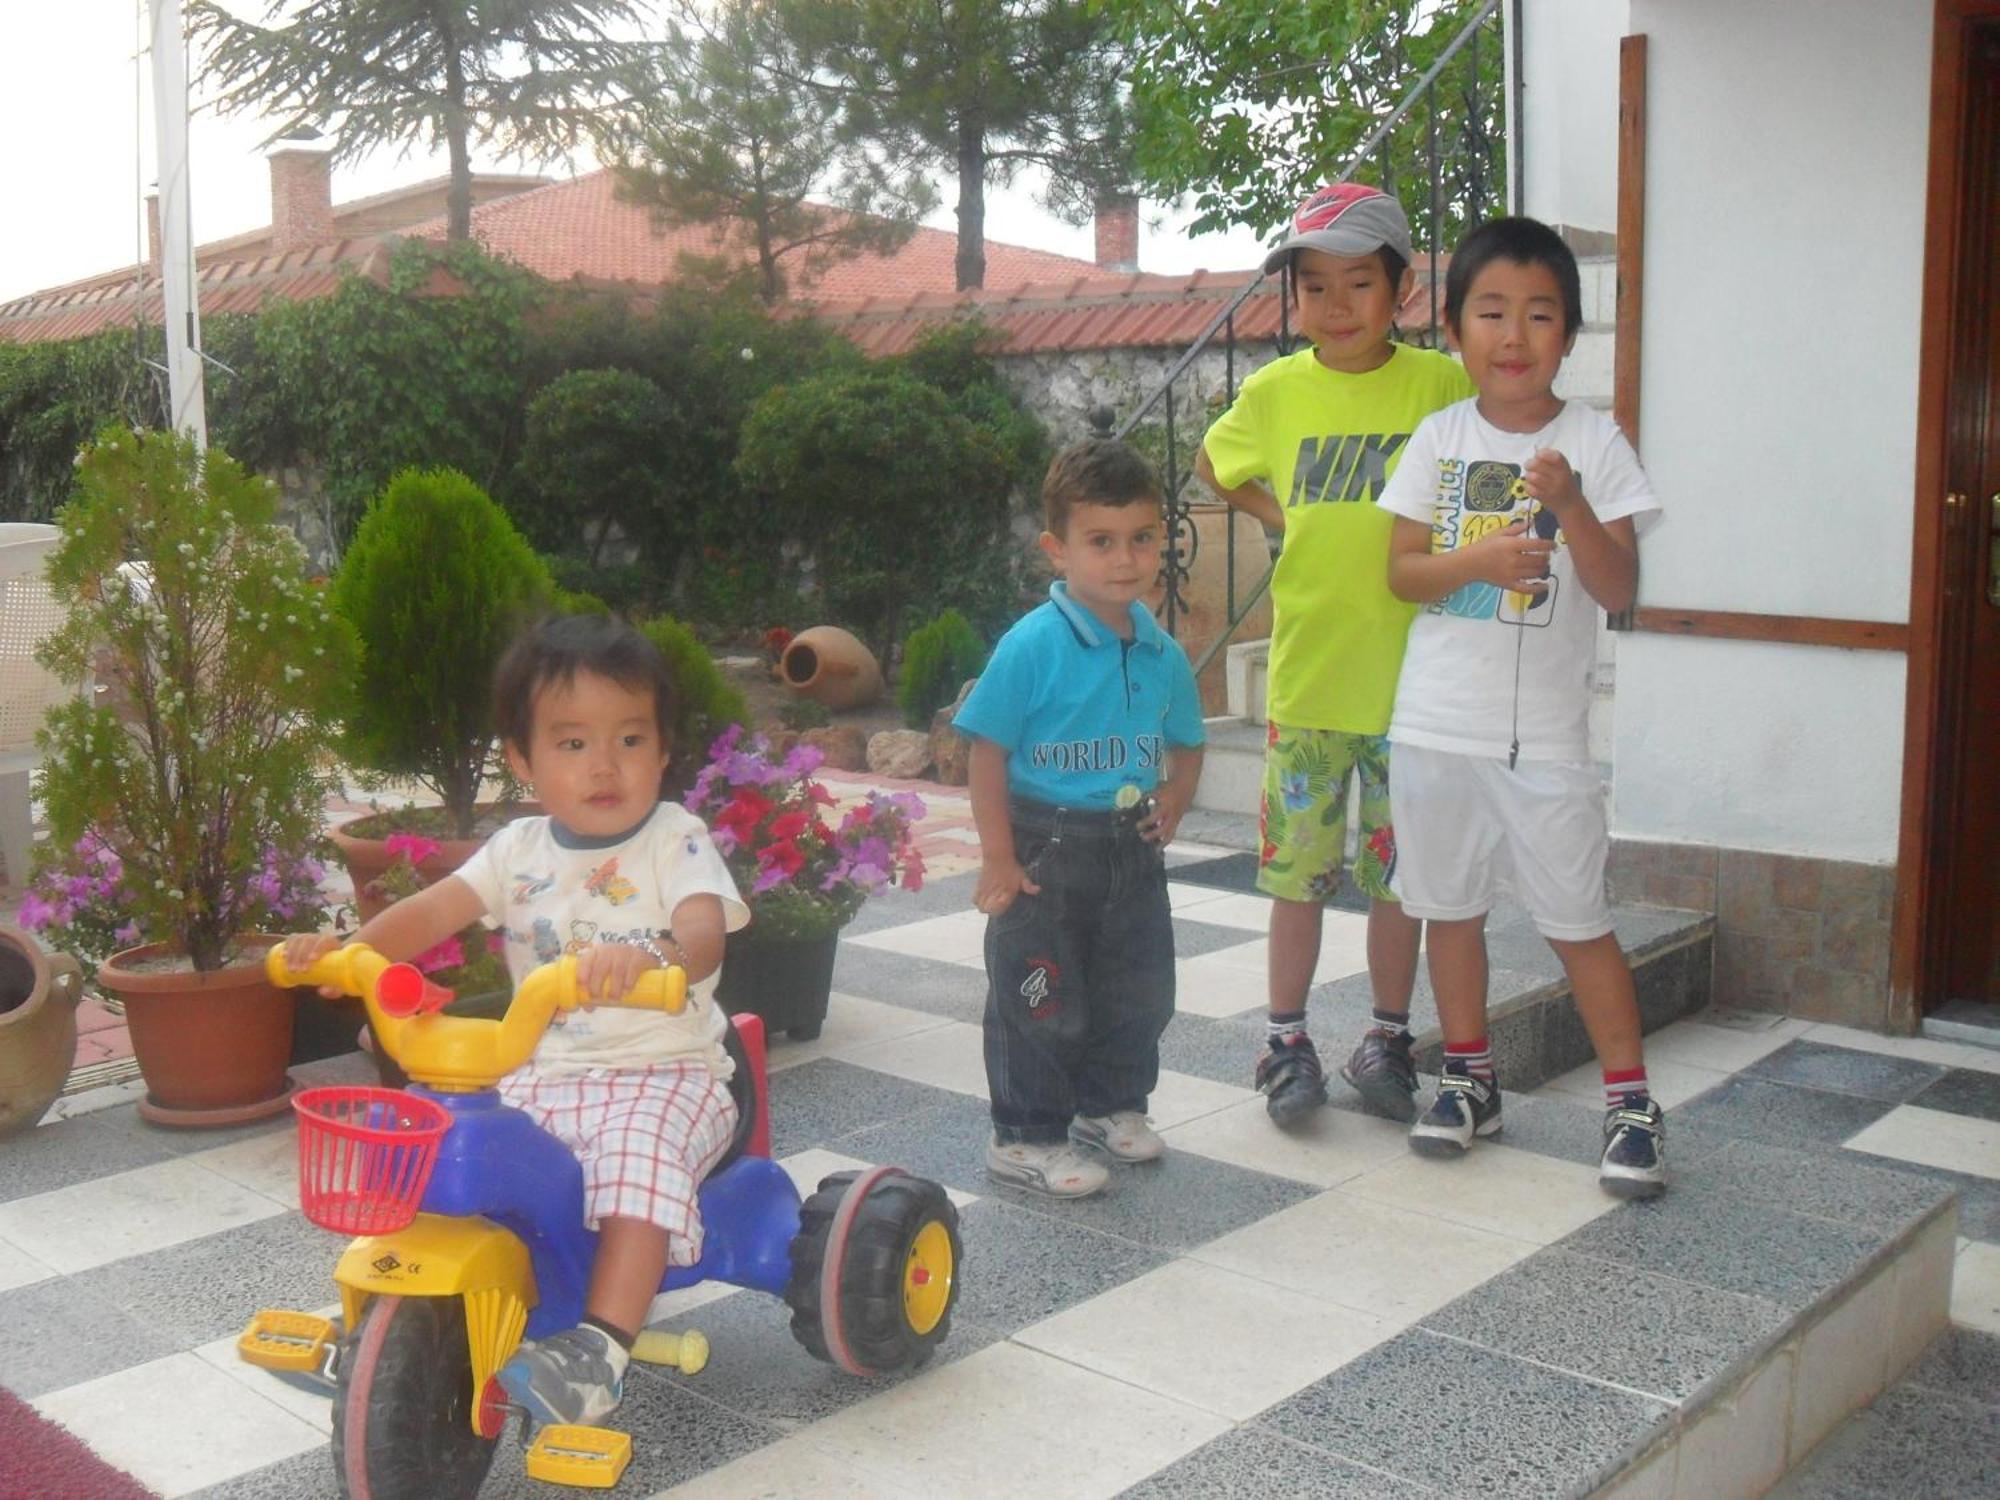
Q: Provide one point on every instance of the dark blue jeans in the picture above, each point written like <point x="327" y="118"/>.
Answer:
<point x="1079" y="979"/>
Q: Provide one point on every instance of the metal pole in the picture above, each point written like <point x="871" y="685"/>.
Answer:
<point x="186" y="408"/>
<point x="1511" y="89"/>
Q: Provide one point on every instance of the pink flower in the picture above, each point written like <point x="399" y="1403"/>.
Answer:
<point x="412" y="846"/>
<point x="448" y="954"/>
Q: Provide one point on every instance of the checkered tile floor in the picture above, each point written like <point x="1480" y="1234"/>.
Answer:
<point x="1257" y="1315"/>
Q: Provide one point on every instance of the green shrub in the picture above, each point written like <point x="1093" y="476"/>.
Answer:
<point x="804" y="713"/>
<point x="708" y="702"/>
<point x="937" y="659"/>
<point x="435" y="583"/>
<point x="594" y="456"/>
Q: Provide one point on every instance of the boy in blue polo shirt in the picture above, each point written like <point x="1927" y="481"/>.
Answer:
<point x="1075" y="795"/>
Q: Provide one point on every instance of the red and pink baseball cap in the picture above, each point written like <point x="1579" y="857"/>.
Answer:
<point x="1345" y="218"/>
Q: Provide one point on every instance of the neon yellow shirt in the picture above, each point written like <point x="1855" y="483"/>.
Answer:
<point x="1326" y="443"/>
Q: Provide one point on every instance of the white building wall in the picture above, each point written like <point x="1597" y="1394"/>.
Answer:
<point x="1786" y="152"/>
<point x="1569" y="125"/>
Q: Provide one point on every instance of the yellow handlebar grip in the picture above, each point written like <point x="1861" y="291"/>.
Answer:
<point x="660" y="989"/>
<point x="340" y="968"/>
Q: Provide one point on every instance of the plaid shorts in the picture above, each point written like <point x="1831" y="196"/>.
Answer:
<point x="646" y="1138"/>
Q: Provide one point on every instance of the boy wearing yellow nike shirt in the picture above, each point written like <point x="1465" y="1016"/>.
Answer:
<point x="1306" y="449"/>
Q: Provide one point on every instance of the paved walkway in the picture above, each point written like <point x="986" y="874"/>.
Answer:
<point x="1258" y="1315"/>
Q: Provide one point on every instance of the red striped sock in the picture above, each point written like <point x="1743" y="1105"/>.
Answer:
<point x="1474" y="1059"/>
<point x="1621" y="1083"/>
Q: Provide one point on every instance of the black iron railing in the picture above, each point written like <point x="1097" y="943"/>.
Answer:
<point x="1448" y="133"/>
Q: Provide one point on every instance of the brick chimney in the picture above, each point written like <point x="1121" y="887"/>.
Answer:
<point x="153" y="228"/>
<point x="301" y="192"/>
<point x="1118" y="231"/>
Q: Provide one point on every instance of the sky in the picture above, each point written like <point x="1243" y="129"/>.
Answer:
<point x="77" y="112"/>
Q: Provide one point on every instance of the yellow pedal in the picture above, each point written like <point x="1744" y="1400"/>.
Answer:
<point x="588" y="1458"/>
<point x="281" y="1340"/>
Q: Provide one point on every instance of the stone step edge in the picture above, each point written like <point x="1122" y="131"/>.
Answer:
<point x="1747" y="1427"/>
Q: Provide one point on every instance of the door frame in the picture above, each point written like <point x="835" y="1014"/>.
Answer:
<point x="1915" y="944"/>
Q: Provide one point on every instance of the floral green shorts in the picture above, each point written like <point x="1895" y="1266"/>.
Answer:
<point x="1303" y="816"/>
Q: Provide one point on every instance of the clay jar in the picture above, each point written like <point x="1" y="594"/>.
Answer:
<point x="831" y="667"/>
<point x="38" y="1000"/>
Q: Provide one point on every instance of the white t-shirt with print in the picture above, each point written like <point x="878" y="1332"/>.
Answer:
<point x="1458" y="691"/>
<point x="549" y="897"/>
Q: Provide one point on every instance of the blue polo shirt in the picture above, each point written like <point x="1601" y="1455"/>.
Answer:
<point x="1080" y="712"/>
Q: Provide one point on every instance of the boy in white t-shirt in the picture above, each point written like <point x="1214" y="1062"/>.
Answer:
<point x="626" y="882"/>
<point x="1517" y="517"/>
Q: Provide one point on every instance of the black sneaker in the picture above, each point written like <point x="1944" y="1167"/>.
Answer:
<point x="1383" y="1075"/>
<point x="1465" y="1107"/>
<point x="1634" y="1166"/>
<point x="1290" y="1078"/>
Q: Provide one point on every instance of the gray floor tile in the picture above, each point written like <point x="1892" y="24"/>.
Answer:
<point x="1843" y="1186"/>
<point x="303" y="1476"/>
<point x="1173" y="1205"/>
<point x="1960" y="1363"/>
<point x="1765" y="1110"/>
<point x="953" y="991"/>
<point x="1614" y="1323"/>
<point x="65" y="1152"/>
<point x="1843" y="1070"/>
<point x="1251" y="1463"/>
<point x="1021" y="1267"/>
<point x="1916" y="1442"/>
<point x="1225" y="1051"/>
<point x="1467" y="1420"/>
<point x="896" y="906"/>
<point x="1193" y="938"/>
<point x="758" y="1370"/>
<point x="1978" y="1197"/>
<point x="56" y="1333"/>
<point x="1963" y="1092"/>
<point x="1718" y="1240"/>
<point x="205" y="1288"/>
<point x="819" y="1101"/>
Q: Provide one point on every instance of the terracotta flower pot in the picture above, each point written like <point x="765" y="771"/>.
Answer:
<point x="831" y="667"/>
<point x="38" y="1000"/>
<point x="211" y="1047"/>
<point x="368" y="859"/>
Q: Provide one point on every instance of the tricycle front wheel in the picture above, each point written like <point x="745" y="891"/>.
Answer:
<point x="402" y="1417"/>
<point x="874" y="1271"/>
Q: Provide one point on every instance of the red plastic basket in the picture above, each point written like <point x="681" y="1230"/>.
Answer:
<point x="365" y="1156"/>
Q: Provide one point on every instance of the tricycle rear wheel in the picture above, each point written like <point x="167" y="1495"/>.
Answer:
<point x="874" y="1271"/>
<point x="402" y="1417"/>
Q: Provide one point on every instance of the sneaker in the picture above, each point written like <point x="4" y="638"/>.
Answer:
<point x="1123" y="1135"/>
<point x="1633" y="1165"/>
<point x="1289" y="1077"/>
<point x="1383" y="1075"/>
<point x="1055" y="1168"/>
<point x="576" y="1376"/>
<point x="1464" y="1107"/>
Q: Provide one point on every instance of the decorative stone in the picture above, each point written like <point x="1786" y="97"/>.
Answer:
<point x="951" y="752"/>
<point x="843" y="745"/>
<point x="903" y="753"/>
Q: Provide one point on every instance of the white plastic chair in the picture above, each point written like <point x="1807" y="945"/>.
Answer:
<point x="28" y="613"/>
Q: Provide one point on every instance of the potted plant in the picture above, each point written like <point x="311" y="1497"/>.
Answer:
<point x="435" y="583"/>
<point x="205" y="762"/>
<point x="804" y="877"/>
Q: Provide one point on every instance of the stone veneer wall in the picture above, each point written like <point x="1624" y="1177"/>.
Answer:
<point x="1808" y="937"/>
<point x="1062" y="387"/>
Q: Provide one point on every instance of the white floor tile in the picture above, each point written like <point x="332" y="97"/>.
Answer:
<point x="1343" y="950"/>
<point x="790" y="1469"/>
<point x="1697" y="1044"/>
<point x="957" y="938"/>
<point x="1233" y="909"/>
<point x="1181" y="896"/>
<point x="1009" y="1421"/>
<point x="1330" y="1148"/>
<point x="1370" y="1256"/>
<point x="266" y="1164"/>
<point x="312" y="1407"/>
<point x="1915" y="1048"/>
<point x="179" y="1424"/>
<point x="850" y="1021"/>
<point x="1257" y="1343"/>
<point x="950" y="1056"/>
<point x="18" y="1268"/>
<point x="1975" y="1287"/>
<point x="1909" y="1132"/>
<point x="1495" y="1188"/>
<point x="129" y="1213"/>
<point x="1182" y="1097"/>
<point x="1218" y="984"/>
<point x="1671" y="1083"/>
<point x="806" y="1168"/>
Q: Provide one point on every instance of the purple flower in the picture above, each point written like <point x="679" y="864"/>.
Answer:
<point x="35" y="912"/>
<point x="128" y="934"/>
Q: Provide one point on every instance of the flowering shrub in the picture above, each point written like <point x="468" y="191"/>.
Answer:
<point x="802" y="876"/>
<point x="81" y="901"/>
<point x="469" y="962"/>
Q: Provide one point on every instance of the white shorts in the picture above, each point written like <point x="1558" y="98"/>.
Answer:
<point x="1466" y="823"/>
<point x="646" y="1138"/>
